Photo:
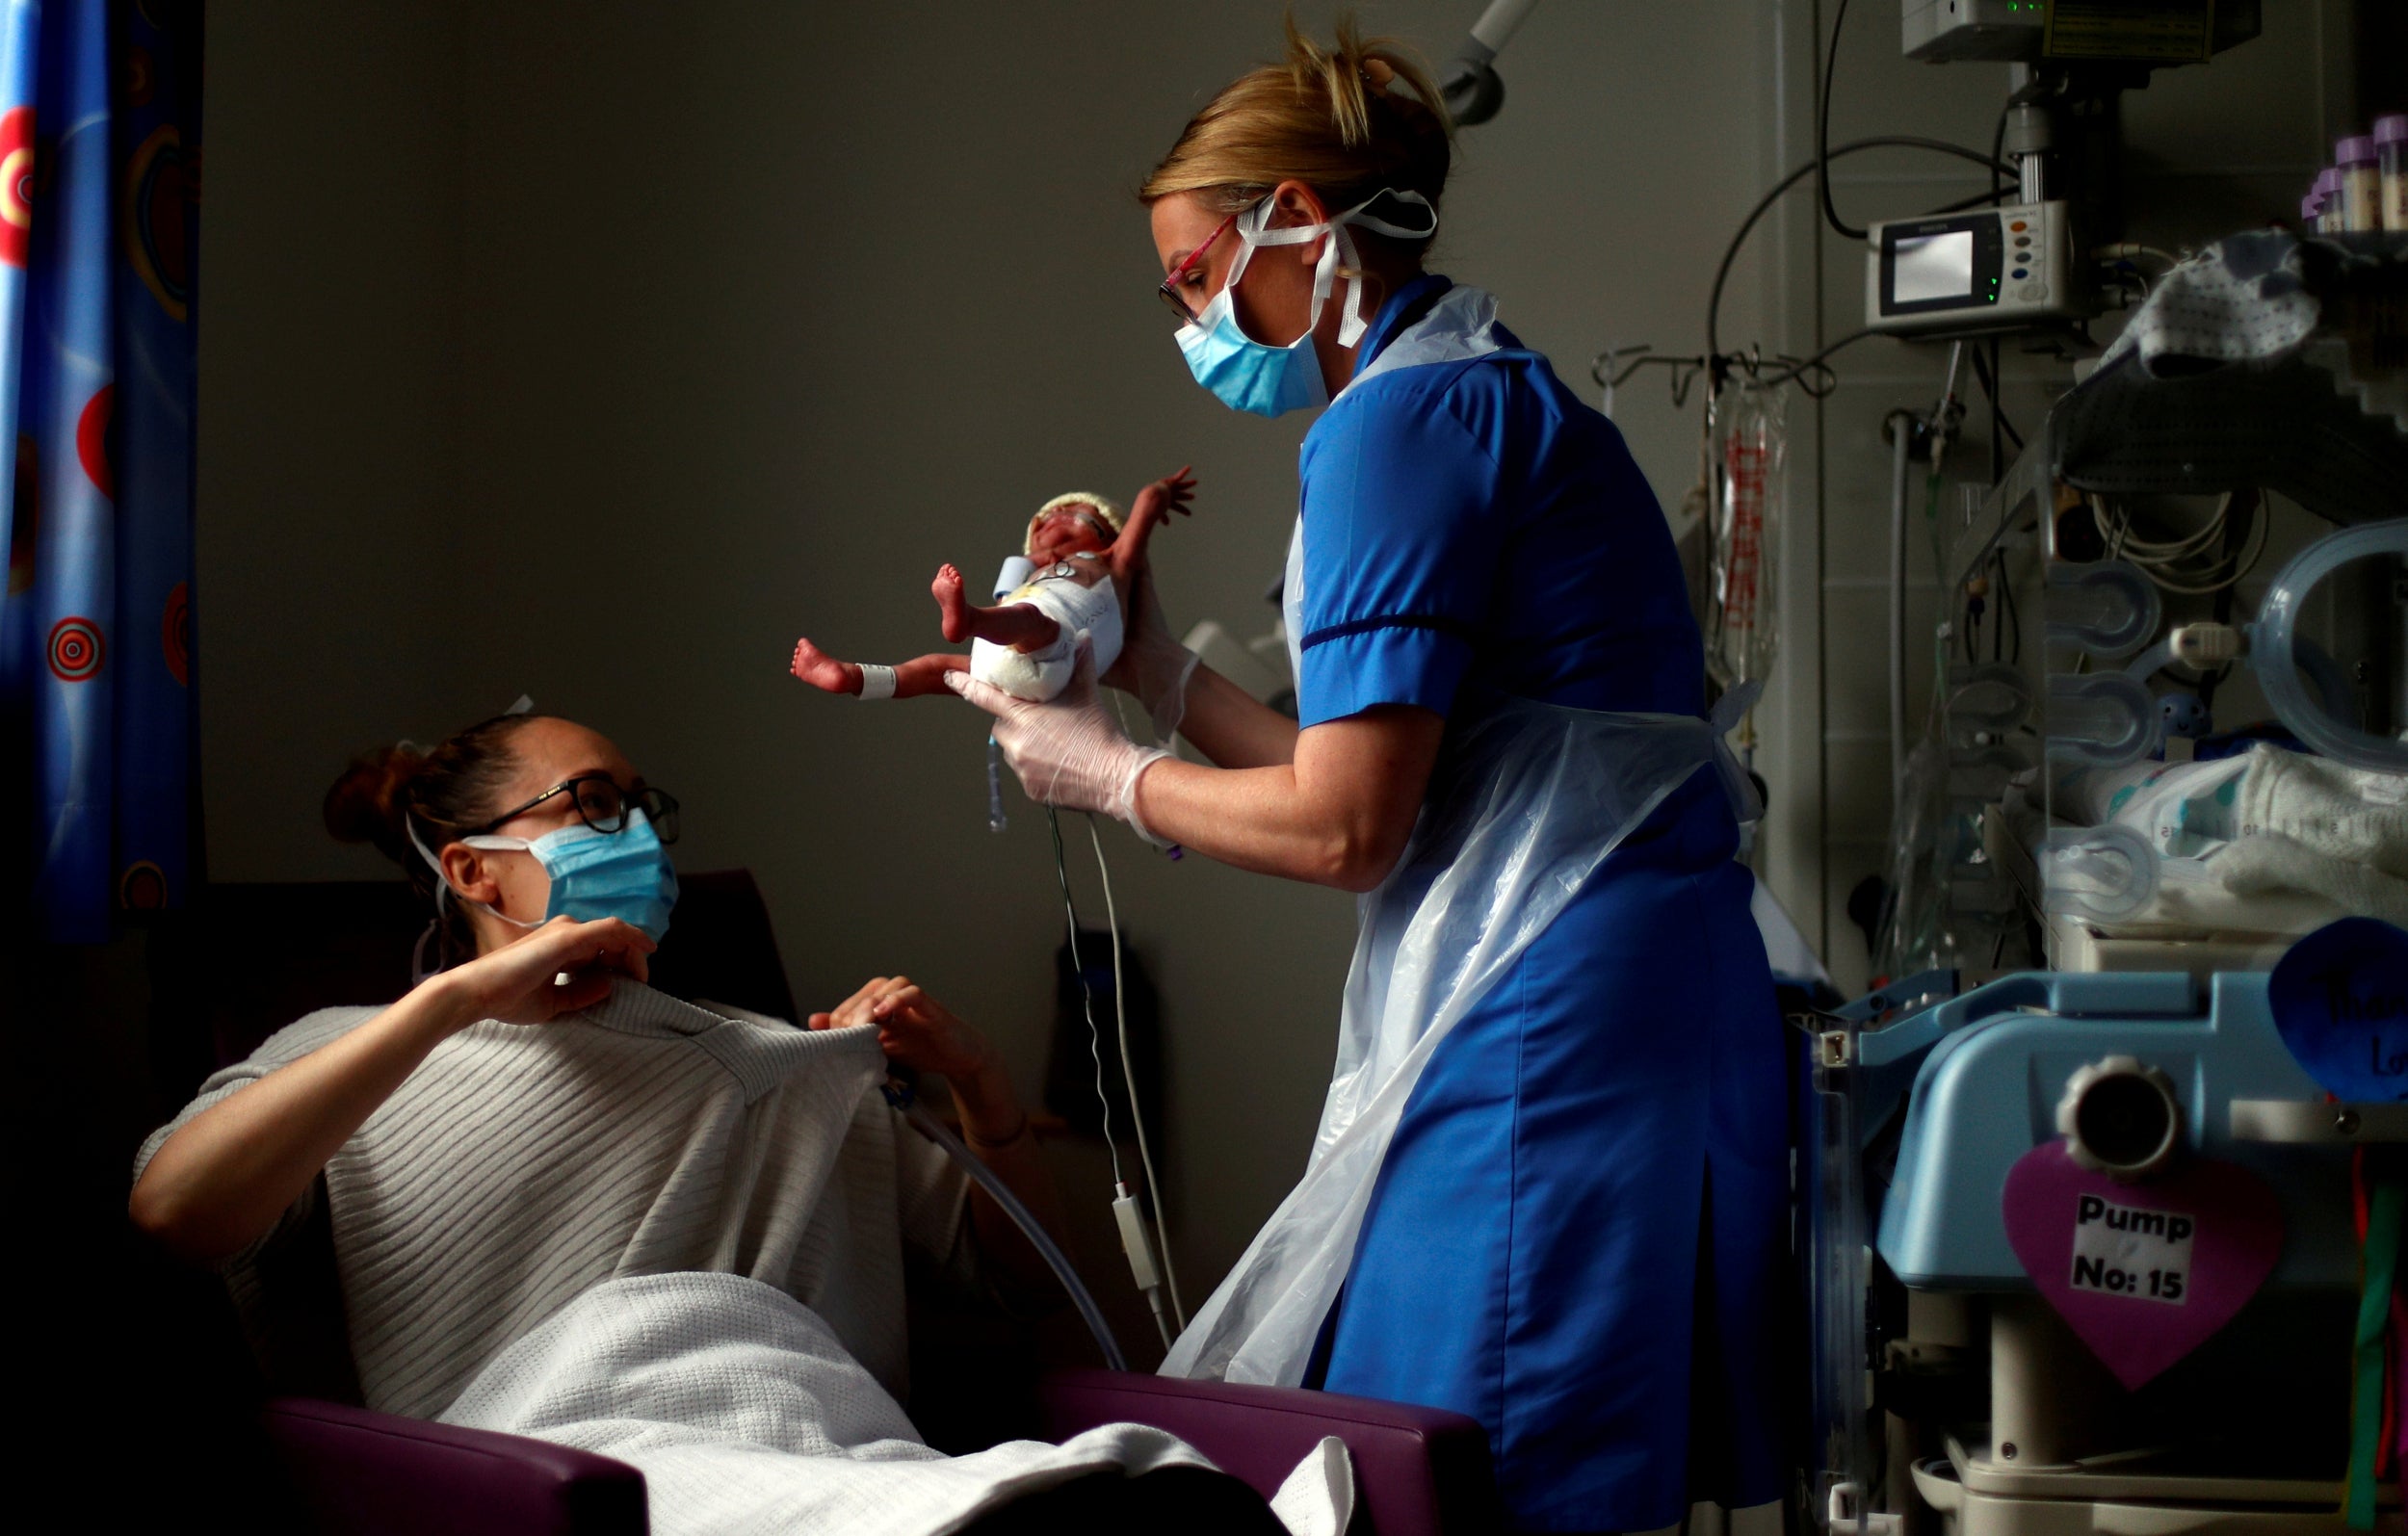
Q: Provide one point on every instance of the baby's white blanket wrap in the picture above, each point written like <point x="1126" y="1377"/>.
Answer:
<point x="1040" y="675"/>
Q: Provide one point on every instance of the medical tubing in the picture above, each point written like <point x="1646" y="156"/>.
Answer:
<point x="1763" y="205"/>
<point x="2277" y="653"/>
<point x="996" y="820"/>
<point x="1900" y="431"/>
<point x="929" y="1125"/>
<point x="1128" y="1076"/>
<point x="1087" y="997"/>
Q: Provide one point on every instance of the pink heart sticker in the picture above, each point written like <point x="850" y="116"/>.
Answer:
<point x="2147" y="1272"/>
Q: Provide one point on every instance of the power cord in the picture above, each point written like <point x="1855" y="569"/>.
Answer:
<point x="1763" y="205"/>
<point x="1822" y="130"/>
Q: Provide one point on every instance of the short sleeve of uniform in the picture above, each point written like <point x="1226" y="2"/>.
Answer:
<point x="1400" y="545"/>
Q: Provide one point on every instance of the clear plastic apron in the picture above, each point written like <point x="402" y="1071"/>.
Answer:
<point x="1525" y="804"/>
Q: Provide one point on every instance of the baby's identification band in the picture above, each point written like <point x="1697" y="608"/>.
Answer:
<point x="876" y="682"/>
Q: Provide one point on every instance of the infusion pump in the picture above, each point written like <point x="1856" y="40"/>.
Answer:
<point x="1956" y="274"/>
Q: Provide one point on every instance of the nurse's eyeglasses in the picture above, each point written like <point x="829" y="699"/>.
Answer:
<point x="602" y="805"/>
<point x="1169" y="292"/>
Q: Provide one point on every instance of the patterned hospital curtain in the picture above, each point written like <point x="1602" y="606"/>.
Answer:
<point x="98" y="188"/>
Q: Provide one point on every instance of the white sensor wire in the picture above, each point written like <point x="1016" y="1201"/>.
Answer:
<point x="1129" y="1076"/>
<point x="1086" y="996"/>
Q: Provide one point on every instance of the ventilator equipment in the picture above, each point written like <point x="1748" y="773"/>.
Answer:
<point x="2104" y="1224"/>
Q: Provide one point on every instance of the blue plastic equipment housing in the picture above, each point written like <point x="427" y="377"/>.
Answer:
<point x="1994" y="1064"/>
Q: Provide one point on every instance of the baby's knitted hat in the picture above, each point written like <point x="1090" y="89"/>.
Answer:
<point x="1104" y="507"/>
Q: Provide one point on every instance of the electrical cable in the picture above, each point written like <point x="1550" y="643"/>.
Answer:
<point x="2256" y="550"/>
<point x="1133" y="1237"/>
<point x="2163" y="561"/>
<point x="1129" y="1076"/>
<point x="1997" y="148"/>
<point x="2009" y="619"/>
<point x="1997" y="417"/>
<point x="1086" y="995"/>
<point x="1763" y="205"/>
<point x="1991" y="389"/>
<point x="1817" y="361"/>
<point x="1822" y="130"/>
<point x="1978" y="199"/>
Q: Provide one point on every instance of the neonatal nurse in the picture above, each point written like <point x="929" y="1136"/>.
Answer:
<point x="1549" y="1186"/>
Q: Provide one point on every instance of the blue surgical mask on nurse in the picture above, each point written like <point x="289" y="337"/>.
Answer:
<point x="1257" y="377"/>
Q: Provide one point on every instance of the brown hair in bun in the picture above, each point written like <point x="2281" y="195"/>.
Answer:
<point x="444" y="794"/>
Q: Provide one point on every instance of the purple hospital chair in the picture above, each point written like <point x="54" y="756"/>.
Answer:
<point x="1420" y="1471"/>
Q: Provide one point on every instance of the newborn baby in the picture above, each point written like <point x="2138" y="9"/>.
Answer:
<point x="1026" y="644"/>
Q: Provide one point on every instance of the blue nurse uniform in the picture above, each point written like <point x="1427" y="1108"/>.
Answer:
<point x="1576" y="1236"/>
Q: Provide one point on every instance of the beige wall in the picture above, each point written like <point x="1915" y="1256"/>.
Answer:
<point x="595" y="352"/>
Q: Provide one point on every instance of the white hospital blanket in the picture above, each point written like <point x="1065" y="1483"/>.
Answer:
<point x="745" y="1414"/>
<point x="2270" y="841"/>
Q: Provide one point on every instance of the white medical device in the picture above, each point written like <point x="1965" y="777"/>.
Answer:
<point x="2153" y="32"/>
<point x="1966" y="273"/>
<point x="1470" y="85"/>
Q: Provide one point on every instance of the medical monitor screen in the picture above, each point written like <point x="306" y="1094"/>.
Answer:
<point x="1931" y="266"/>
<point x="1938" y="265"/>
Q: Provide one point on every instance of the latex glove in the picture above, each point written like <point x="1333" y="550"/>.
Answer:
<point x="1152" y="664"/>
<point x="1069" y="752"/>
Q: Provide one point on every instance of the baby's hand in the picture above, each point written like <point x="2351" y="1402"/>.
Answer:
<point x="1169" y="494"/>
<point x="1151" y="506"/>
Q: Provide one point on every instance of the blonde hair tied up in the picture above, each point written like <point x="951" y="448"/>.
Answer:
<point x="1348" y="120"/>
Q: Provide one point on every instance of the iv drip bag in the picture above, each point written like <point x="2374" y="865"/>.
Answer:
<point x="1750" y="433"/>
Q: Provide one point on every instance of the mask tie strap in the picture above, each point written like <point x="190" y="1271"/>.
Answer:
<point x="444" y="881"/>
<point x="1341" y="250"/>
<point x="1354" y="323"/>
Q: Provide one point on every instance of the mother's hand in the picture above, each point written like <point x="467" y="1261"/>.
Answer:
<point x="913" y="1028"/>
<point x="560" y="968"/>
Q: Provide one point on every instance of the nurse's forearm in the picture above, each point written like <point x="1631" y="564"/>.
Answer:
<point x="1231" y="726"/>
<point x="1339" y="815"/>
<point x="226" y="1177"/>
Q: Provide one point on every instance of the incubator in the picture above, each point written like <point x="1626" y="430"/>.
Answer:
<point x="2103" y="1201"/>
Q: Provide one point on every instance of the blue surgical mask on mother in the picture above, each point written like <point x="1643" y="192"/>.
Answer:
<point x="622" y="874"/>
<point x="1268" y="380"/>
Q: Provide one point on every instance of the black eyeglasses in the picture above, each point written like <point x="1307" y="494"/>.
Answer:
<point x="602" y="805"/>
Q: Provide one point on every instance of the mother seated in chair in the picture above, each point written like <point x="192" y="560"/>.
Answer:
<point x="534" y="1120"/>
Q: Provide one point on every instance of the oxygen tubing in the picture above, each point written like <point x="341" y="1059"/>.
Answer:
<point x="929" y="1125"/>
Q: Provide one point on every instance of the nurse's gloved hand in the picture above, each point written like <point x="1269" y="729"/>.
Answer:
<point x="1070" y="752"/>
<point x="1152" y="664"/>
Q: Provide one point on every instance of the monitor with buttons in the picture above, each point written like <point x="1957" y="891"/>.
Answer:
<point x="1956" y="274"/>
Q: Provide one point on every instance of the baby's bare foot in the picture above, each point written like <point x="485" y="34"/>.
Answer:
<point x="822" y="671"/>
<point x="951" y="605"/>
